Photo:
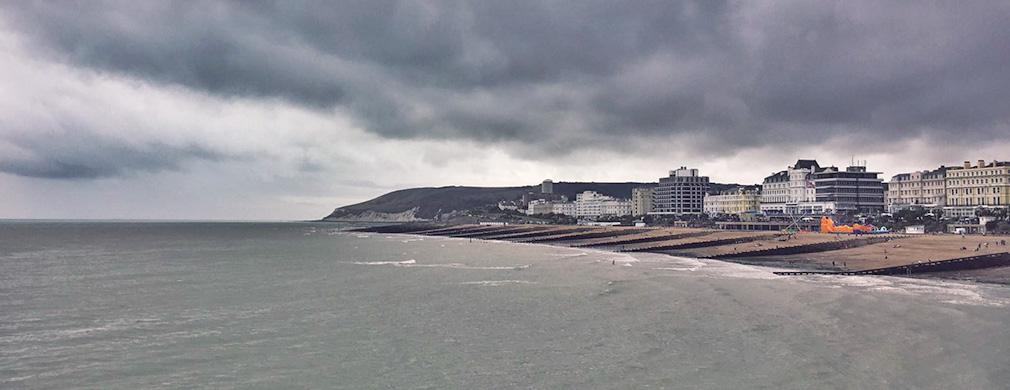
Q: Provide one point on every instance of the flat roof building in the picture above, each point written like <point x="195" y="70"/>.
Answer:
<point x="852" y="190"/>
<point x="683" y="192"/>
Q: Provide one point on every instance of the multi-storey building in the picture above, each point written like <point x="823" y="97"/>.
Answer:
<point x="566" y="208"/>
<point x="539" y="206"/>
<point x="792" y="191"/>
<point x="926" y="189"/>
<point x="683" y="192"/>
<point x="615" y="207"/>
<point x="591" y="204"/>
<point x="641" y="200"/>
<point x="852" y="190"/>
<point x="970" y="187"/>
<point x="735" y="201"/>
<point x="774" y="192"/>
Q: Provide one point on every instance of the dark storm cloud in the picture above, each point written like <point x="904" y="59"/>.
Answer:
<point x="82" y="155"/>
<point x="568" y="75"/>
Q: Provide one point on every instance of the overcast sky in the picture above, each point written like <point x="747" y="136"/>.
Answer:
<point x="262" y="110"/>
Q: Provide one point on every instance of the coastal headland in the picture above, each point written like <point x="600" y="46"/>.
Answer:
<point x="964" y="257"/>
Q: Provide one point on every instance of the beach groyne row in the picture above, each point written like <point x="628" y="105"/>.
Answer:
<point x="601" y="233"/>
<point x="700" y="244"/>
<point x="454" y="231"/>
<point x="492" y="230"/>
<point x="960" y="264"/>
<point x="402" y="228"/>
<point x="515" y="236"/>
<point x="807" y="248"/>
<point x="440" y="230"/>
<point x="859" y="252"/>
<point x="643" y="240"/>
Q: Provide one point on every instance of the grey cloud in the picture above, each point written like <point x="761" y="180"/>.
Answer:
<point x="740" y="74"/>
<point x="82" y="155"/>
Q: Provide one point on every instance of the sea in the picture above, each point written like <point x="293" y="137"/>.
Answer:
<point x="217" y="305"/>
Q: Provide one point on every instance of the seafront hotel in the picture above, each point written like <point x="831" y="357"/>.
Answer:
<point x="983" y="185"/>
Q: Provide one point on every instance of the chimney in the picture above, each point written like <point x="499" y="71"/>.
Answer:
<point x="981" y="163"/>
<point x="967" y="164"/>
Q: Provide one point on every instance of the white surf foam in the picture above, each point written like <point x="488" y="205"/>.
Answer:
<point x="413" y="263"/>
<point x="495" y="283"/>
<point x="944" y="291"/>
<point x="405" y="262"/>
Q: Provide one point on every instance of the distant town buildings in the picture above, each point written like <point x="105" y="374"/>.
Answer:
<point x="735" y="201"/>
<point x="683" y="192"/>
<point x="805" y="188"/>
<point x="641" y="200"/>
<point x="982" y="185"/>
<point x="925" y="189"/>
<point x="589" y="204"/>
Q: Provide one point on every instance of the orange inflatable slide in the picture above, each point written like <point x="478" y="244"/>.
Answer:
<point x="828" y="226"/>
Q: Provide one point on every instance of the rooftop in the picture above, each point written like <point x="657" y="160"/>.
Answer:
<point x="806" y="164"/>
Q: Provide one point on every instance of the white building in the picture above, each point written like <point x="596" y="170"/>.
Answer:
<point x="539" y="206"/>
<point x="591" y="204"/>
<point x="792" y="191"/>
<point x="618" y="208"/>
<point x="566" y="208"/>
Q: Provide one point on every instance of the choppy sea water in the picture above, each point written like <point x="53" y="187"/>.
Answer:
<point x="297" y="305"/>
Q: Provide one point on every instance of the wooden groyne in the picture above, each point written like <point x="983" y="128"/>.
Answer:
<point x="597" y="233"/>
<point x="642" y="240"/>
<point x="808" y="248"/>
<point x="492" y="230"/>
<point x="403" y="228"/>
<point x="961" y="264"/>
<point x="700" y="244"/>
<point x="443" y="231"/>
<point x="525" y="234"/>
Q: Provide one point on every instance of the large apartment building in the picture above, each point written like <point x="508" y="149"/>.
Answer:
<point x="683" y="192"/>
<point x="982" y="185"/>
<point x="925" y="189"/>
